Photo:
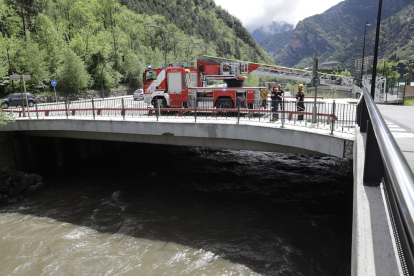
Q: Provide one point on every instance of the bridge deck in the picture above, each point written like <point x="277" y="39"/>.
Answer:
<point x="400" y="121"/>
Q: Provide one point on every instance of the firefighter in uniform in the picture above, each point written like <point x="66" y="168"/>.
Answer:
<point x="280" y="93"/>
<point x="300" y="105"/>
<point x="274" y="97"/>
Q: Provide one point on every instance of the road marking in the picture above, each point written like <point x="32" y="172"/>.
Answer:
<point x="397" y="131"/>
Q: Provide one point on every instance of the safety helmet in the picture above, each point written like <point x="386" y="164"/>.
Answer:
<point x="280" y="85"/>
<point x="300" y="85"/>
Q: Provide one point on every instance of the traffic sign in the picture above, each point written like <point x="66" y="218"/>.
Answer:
<point x="315" y="81"/>
<point x="54" y="82"/>
<point x="19" y="77"/>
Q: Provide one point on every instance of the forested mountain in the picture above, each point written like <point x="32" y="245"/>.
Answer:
<point x="334" y="30"/>
<point x="268" y="31"/>
<point x="70" y="40"/>
<point x="396" y="40"/>
<point x="276" y="45"/>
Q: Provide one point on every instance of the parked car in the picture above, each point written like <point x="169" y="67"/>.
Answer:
<point x="139" y="95"/>
<point x="15" y="99"/>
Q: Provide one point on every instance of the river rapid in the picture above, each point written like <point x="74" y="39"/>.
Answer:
<point x="184" y="211"/>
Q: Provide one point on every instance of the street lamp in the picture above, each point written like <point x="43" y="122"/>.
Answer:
<point x="122" y="57"/>
<point x="165" y="47"/>
<point x="205" y="46"/>
<point x="363" y="52"/>
<point x="8" y="57"/>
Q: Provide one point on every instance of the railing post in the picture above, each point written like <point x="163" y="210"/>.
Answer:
<point x="364" y="115"/>
<point x="66" y="108"/>
<point x="373" y="164"/>
<point x="157" y="102"/>
<point x="283" y="112"/>
<point x="37" y="113"/>
<point x="238" y="111"/>
<point x="333" y="117"/>
<point x="123" y="108"/>
<point x="195" y="110"/>
<point x="93" y="109"/>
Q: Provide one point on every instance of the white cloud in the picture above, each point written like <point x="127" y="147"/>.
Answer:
<point x="256" y="13"/>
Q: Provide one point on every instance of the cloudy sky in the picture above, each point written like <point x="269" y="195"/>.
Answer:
<point x="256" y="13"/>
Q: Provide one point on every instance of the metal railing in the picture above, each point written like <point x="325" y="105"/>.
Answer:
<point x="384" y="162"/>
<point x="331" y="116"/>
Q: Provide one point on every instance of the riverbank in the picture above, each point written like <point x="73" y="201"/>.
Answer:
<point x="15" y="185"/>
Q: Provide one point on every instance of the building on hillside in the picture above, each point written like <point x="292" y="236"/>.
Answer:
<point x="368" y="62"/>
<point x="368" y="65"/>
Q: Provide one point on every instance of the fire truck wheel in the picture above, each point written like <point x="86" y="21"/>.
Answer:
<point x="224" y="103"/>
<point x="163" y="103"/>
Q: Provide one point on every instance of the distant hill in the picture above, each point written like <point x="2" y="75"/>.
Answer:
<point x="268" y="31"/>
<point x="336" y="7"/>
<point x="332" y="32"/>
<point x="204" y="19"/>
<point x="395" y="40"/>
<point x="275" y="45"/>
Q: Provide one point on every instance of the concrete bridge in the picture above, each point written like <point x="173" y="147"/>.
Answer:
<point x="378" y="246"/>
<point x="123" y="119"/>
<point x="221" y="134"/>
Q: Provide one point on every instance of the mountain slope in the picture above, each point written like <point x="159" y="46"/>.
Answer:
<point x="73" y="41"/>
<point x="333" y="30"/>
<point x="201" y="18"/>
<point x="396" y="39"/>
<point x="276" y="27"/>
<point x="275" y="45"/>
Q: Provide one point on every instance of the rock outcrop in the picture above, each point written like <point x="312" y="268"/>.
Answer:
<point x="15" y="185"/>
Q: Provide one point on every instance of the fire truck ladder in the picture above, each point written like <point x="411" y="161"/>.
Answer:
<point x="238" y="68"/>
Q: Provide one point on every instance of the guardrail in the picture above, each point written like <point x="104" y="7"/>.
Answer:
<point x="332" y="117"/>
<point x="385" y="163"/>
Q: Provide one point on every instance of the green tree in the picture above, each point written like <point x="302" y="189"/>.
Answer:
<point x="71" y="74"/>
<point x="410" y="70"/>
<point x="5" y="117"/>
<point x="345" y="73"/>
<point x="387" y="70"/>
<point x="30" y="60"/>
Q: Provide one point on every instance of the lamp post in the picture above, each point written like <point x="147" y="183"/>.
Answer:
<point x="205" y="47"/>
<point x="363" y="52"/>
<point x="7" y="49"/>
<point x="122" y="57"/>
<point x="374" y="69"/>
<point x="165" y="47"/>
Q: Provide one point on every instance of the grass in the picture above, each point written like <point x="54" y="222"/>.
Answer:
<point x="411" y="100"/>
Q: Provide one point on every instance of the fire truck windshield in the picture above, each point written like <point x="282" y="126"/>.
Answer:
<point x="150" y="75"/>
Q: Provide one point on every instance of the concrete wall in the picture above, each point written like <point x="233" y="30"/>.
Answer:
<point x="409" y="91"/>
<point x="215" y="135"/>
<point x="7" y="158"/>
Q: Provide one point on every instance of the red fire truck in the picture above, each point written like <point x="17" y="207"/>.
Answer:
<point x="184" y="85"/>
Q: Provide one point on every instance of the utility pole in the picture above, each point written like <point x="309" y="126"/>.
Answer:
<point x="374" y="70"/>
<point x="315" y="82"/>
